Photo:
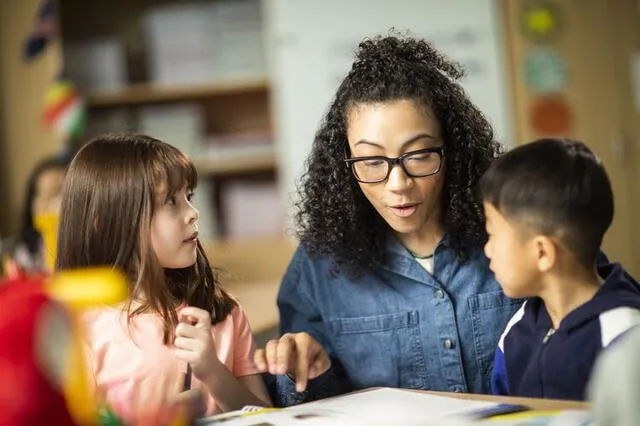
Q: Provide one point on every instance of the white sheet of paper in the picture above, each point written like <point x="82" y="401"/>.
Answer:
<point x="403" y="407"/>
<point x="371" y="408"/>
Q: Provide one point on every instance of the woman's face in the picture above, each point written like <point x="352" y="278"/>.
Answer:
<point x="411" y="206"/>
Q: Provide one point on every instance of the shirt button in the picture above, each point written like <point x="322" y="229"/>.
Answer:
<point x="448" y="344"/>
<point x="440" y="294"/>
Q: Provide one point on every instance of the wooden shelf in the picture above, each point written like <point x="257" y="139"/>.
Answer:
<point x="259" y="301"/>
<point x="252" y="269"/>
<point x="251" y="258"/>
<point x="230" y="165"/>
<point x="143" y="93"/>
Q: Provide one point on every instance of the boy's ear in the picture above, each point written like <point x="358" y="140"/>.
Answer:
<point x="546" y="252"/>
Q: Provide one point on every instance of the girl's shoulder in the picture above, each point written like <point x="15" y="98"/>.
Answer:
<point x="235" y="326"/>
<point x="236" y="318"/>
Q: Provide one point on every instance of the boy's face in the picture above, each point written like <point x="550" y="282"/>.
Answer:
<point x="512" y="254"/>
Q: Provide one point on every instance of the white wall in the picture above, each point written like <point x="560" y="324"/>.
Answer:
<point x="310" y="45"/>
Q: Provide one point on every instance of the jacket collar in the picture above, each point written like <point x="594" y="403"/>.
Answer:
<point x="400" y="260"/>
<point x="618" y="290"/>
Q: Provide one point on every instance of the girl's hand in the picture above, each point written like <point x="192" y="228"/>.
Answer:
<point x="194" y="343"/>
<point x="298" y="354"/>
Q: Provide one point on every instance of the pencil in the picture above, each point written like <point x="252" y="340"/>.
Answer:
<point x="187" y="379"/>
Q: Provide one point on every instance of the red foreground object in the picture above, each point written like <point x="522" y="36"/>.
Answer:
<point x="27" y="396"/>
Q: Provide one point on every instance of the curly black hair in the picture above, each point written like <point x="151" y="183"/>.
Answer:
<point x="333" y="216"/>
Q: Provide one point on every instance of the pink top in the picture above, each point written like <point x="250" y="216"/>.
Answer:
<point x="136" y="370"/>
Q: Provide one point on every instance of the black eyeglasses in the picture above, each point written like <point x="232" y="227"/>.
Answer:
<point x="374" y="169"/>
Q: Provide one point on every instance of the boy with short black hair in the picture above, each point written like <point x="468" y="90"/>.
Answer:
<point x="548" y="205"/>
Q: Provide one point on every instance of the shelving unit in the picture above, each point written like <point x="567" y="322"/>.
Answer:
<point x="231" y="106"/>
<point x="229" y="166"/>
<point x="220" y="94"/>
<point x="146" y="93"/>
<point x="256" y="287"/>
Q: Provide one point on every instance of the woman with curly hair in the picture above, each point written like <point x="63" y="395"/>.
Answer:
<point x="390" y="286"/>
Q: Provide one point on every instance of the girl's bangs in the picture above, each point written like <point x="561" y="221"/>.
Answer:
<point x="173" y="170"/>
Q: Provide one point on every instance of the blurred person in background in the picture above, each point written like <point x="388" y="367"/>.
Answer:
<point x="32" y="251"/>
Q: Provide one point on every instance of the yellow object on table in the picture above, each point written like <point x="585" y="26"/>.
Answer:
<point x="525" y="415"/>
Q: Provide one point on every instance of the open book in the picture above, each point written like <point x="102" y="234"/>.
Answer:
<point x="373" y="407"/>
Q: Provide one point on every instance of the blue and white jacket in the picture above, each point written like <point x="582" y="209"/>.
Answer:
<point x="535" y="360"/>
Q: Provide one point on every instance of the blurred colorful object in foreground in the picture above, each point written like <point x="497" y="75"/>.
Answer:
<point x="78" y="290"/>
<point x="64" y="109"/>
<point x="42" y="361"/>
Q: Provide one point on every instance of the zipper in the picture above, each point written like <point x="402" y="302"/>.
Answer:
<point x="545" y="340"/>
<point x="547" y="336"/>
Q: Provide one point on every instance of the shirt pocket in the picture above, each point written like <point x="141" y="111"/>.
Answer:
<point x="381" y="350"/>
<point x="490" y="313"/>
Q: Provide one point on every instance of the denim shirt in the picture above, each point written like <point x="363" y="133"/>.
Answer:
<point x="398" y="326"/>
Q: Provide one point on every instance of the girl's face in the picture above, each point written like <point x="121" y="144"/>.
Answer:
<point x="174" y="229"/>
<point x="411" y="206"/>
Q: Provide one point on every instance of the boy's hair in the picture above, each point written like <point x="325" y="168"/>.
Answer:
<point x="108" y="201"/>
<point x="557" y="187"/>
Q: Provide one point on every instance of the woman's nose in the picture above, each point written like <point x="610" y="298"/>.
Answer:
<point x="398" y="180"/>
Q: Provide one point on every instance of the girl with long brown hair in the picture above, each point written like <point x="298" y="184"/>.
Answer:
<point x="127" y="203"/>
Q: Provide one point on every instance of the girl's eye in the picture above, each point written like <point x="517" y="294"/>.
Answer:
<point x="190" y="196"/>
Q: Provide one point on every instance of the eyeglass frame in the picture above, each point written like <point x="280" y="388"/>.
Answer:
<point x="396" y="160"/>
